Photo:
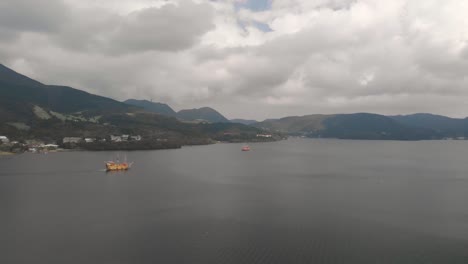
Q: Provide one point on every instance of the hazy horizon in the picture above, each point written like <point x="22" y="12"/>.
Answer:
<point x="279" y="117"/>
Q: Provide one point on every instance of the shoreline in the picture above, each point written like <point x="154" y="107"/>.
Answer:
<point x="109" y="147"/>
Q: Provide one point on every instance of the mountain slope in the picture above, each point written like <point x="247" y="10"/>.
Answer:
<point x="32" y="110"/>
<point x="347" y="126"/>
<point x="10" y="76"/>
<point x="294" y="124"/>
<point x="18" y="88"/>
<point x="204" y="113"/>
<point x="449" y="127"/>
<point x="371" y="126"/>
<point x="154" y="107"/>
<point x="243" y="121"/>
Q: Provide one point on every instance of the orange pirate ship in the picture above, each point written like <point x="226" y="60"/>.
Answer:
<point x="118" y="166"/>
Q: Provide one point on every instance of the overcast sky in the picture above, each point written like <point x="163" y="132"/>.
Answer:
<point x="249" y="58"/>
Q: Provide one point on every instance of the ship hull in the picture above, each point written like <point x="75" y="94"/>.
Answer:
<point x="117" y="166"/>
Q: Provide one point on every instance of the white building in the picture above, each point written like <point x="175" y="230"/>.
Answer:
<point x="136" y="138"/>
<point x="50" y="146"/>
<point x="116" y="138"/>
<point x="89" y="140"/>
<point x="71" y="140"/>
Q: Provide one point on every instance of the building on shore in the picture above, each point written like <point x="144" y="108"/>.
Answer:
<point x="135" y="138"/>
<point x="50" y="146"/>
<point x="72" y="140"/>
<point x="115" y="138"/>
<point x="125" y="138"/>
<point x="4" y="139"/>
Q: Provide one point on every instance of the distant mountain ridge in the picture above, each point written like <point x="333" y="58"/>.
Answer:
<point x="154" y="107"/>
<point x="29" y="108"/>
<point x="32" y="110"/>
<point x="294" y="124"/>
<point x="198" y="114"/>
<point x="450" y="127"/>
<point x="370" y="126"/>
<point x="244" y="121"/>
<point x="24" y="90"/>
<point x="204" y="113"/>
<point x="10" y="76"/>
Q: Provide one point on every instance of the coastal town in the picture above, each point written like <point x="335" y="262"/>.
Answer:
<point x="109" y="142"/>
<point x="38" y="146"/>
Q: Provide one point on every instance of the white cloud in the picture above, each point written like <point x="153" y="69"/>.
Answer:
<point x="321" y="56"/>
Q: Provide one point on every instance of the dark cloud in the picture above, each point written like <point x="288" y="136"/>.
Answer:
<point x="37" y="15"/>
<point x="171" y="27"/>
<point x="7" y="34"/>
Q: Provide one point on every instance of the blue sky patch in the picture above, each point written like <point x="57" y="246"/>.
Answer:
<point x="262" y="26"/>
<point x="255" y="5"/>
<point x="259" y="25"/>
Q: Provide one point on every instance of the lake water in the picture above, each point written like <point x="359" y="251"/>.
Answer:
<point x="294" y="201"/>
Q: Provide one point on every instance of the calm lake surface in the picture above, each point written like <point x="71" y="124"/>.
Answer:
<point x="294" y="201"/>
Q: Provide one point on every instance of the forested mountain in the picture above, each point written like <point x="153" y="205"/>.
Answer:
<point x="369" y="126"/>
<point x="32" y="110"/>
<point x="202" y="114"/>
<point x="154" y="107"/>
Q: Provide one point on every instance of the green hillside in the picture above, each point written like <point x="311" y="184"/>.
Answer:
<point x="202" y="114"/>
<point x="32" y="110"/>
<point x="154" y="107"/>
<point x="444" y="126"/>
<point x="20" y="91"/>
<point x="348" y="126"/>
